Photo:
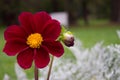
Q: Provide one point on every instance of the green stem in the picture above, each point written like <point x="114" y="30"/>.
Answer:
<point x="36" y="73"/>
<point x="49" y="72"/>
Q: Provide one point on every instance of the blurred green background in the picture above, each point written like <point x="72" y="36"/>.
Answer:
<point x="91" y="21"/>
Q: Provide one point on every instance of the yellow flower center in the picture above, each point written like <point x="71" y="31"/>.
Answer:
<point x="34" y="40"/>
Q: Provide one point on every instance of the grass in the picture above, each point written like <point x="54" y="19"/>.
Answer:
<point x="6" y="63"/>
<point x="89" y="35"/>
<point x="97" y="31"/>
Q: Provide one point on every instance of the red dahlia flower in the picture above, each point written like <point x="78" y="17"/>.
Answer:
<point x="33" y="39"/>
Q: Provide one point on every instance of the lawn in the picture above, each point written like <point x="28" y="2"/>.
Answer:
<point x="89" y="35"/>
<point x="96" y="31"/>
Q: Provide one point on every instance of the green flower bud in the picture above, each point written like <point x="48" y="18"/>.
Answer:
<point x="68" y="39"/>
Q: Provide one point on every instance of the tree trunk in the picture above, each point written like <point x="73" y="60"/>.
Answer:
<point x="115" y="11"/>
<point x="9" y="14"/>
<point x="55" y="5"/>
<point x="85" y="11"/>
<point x="70" y="7"/>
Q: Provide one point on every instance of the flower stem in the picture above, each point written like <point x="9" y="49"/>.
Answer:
<point x="49" y="72"/>
<point x="36" y="73"/>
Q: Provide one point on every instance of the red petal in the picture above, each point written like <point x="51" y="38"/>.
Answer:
<point x="52" y="30"/>
<point x="13" y="32"/>
<point x="40" y="20"/>
<point x="13" y="47"/>
<point x="25" y="58"/>
<point x="54" y="47"/>
<point x="26" y="21"/>
<point x="42" y="57"/>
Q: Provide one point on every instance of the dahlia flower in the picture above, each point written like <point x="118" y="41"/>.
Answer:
<point x="34" y="40"/>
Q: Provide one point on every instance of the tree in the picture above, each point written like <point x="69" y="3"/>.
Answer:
<point x="72" y="8"/>
<point x="55" y="5"/>
<point x="115" y="11"/>
<point x="9" y="11"/>
<point x="85" y="11"/>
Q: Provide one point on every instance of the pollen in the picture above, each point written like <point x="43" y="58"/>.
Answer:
<point x="34" y="40"/>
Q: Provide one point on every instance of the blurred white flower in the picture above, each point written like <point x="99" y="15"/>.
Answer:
<point x="6" y="77"/>
<point x="20" y="73"/>
<point x="97" y="63"/>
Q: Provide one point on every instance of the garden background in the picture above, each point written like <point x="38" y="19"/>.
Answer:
<point x="91" y="21"/>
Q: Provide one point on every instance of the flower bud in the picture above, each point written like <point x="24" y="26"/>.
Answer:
<point x="68" y="39"/>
